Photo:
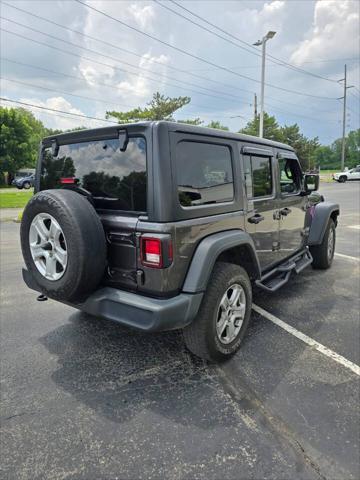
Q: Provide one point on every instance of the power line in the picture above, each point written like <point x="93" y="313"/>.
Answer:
<point x="75" y="77"/>
<point x="187" y="72"/>
<point x="130" y="52"/>
<point x="275" y="107"/>
<point x="127" y="51"/>
<point x="108" y="85"/>
<point x="65" y="93"/>
<point x="55" y="110"/>
<point x="196" y="57"/>
<point x="155" y="80"/>
<point x="254" y="51"/>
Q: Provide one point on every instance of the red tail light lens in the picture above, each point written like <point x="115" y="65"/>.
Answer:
<point x="151" y="252"/>
<point x="67" y="180"/>
<point x="156" y="252"/>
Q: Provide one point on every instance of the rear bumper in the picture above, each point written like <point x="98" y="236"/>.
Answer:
<point x="137" y="311"/>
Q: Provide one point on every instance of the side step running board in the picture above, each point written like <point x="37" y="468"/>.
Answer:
<point x="277" y="277"/>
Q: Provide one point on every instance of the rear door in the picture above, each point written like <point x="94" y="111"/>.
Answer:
<point x="261" y="220"/>
<point x="291" y="205"/>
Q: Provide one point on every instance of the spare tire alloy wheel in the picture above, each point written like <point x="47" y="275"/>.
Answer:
<point x="63" y="244"/>
<point x="48" y="246"/>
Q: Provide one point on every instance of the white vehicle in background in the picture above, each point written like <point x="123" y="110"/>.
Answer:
<point x="352" y="174"/>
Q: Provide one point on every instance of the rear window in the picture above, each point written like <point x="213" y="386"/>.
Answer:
<point x="204" y="173"/>
<point x="115" y="179"/>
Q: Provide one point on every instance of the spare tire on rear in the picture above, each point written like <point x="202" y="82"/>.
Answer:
<point x="63" y="244"/>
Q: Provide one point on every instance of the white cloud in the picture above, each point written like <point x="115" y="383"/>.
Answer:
<point x="335" y="32"/>
<point x="143" y="16"/>
<point x="59" y="120"/>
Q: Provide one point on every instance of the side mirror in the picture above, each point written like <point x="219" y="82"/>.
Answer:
<point x="311" y="183"/>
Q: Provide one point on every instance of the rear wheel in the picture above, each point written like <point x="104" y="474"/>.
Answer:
<point x="224" y="314"/>
<point x="27" y="185"/>
<point x="323" y="254"/>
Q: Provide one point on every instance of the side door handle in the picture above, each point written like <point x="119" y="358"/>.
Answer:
<point x="285" y="211"/>
<point x="257" y="218"/>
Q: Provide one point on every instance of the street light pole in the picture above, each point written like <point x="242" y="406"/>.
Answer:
<point x="262" y="42"/>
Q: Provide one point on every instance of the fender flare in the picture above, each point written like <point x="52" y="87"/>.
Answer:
<point x="209" y="250"/>
<point x="320" y="218"/>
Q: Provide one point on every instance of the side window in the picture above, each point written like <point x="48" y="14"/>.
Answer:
<point x="204" y="173"/>
<point x="290" y="176"/>
<point x="258" y="176"/>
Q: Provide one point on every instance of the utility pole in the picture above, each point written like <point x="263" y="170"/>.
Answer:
<point x="262" y="42"/>
<point x="255" y="107"/>
<point x="346" y="87"/>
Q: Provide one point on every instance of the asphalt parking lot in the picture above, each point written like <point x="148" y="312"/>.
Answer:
<point x="83" y="398"/>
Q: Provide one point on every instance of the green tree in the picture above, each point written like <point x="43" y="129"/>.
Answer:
<point x="159" y="108"/>
<point x="272" y="131"/>
<point x="195" y="121"/>
<point x="305" y="148"/>
<point x="324" y="157"/>
<point x="217" y="125"/>
<point x="353" y="148"/>
<point x="16" y="141"/>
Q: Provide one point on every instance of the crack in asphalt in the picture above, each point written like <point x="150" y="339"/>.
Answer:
<point x="275" y="424"/>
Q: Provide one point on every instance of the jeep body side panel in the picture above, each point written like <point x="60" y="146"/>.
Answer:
<point x="208" y="251"/>
<point x="186" y="236"/>
<point x="321" y="214"/>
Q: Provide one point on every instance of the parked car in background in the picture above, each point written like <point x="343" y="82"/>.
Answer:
<point x="353" y="174"/>
<point x="24" y="179"/>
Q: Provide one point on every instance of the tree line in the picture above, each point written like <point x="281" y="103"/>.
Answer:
<point x="21" y="133"/>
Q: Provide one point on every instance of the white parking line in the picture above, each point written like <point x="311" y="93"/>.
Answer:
<point x="310" y="341"/>
<point x="349" y="257"/>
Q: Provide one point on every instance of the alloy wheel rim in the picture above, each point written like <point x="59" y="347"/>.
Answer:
<point x="231" y="314"/>
<point x="330" y="249"/>
<point x="48" y="246"/>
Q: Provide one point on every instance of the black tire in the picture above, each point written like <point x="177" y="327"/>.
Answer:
<point x="322" y="258"/>
<point x="85" y="243"/>
<point x="343" y="179"/>
<point x="27" y="185"/>
<point x="200" y="336"/>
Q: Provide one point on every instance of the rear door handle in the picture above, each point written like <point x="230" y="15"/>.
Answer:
<point x="257" y="218"/>
<point x="285" y="211"/>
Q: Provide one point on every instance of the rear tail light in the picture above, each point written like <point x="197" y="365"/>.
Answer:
<point x="68" y="180"/>
<point x="156" y="252"/>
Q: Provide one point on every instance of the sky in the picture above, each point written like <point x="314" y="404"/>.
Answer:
<point x="117" y="56"/>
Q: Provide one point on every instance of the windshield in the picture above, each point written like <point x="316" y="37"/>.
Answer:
<point x="115" y="179"/>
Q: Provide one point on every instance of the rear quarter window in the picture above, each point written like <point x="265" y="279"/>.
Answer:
<point x="204" y="173"/>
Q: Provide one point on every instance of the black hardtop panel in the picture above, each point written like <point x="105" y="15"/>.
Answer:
<point x="213" y="132"/>
<point x="102" y="133"/>
<point x="108" y="132"/>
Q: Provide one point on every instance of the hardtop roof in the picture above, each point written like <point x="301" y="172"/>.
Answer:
<point x="103" y="132"/>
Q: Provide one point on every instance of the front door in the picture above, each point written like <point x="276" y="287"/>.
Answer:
<point x="291" y="206"/>
<point x="261" y="221"/>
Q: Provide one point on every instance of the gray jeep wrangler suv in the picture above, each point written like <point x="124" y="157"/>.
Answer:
<point x="162" y="226"/>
